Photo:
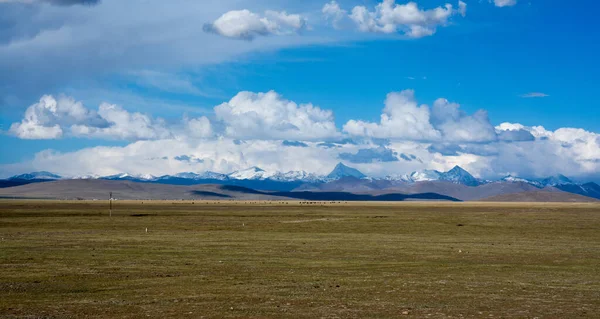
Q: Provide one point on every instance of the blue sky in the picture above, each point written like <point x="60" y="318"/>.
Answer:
<point x="171" y="65"/>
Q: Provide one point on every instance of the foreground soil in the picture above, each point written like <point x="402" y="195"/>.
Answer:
<point x="298" y="260"/>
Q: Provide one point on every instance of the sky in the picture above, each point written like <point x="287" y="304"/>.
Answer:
<point x="101" y="87"/>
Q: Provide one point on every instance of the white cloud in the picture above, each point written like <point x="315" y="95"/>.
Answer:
<point x="573" y="152"/>
<point x="534" y="95"/>
<point x="85" y="48"/>
<point x="53" y="118"/>
<point x="570" y="151"/>
<point x="158" y="157"/>
<point x="198" y="127"/>
<point x="244" y="24"/>
<point x="334" y="13"/>
<point x="251" y="115"/>
<point x="457" y="126"/>
<point x="123" y="125"/>
<point x="504" y="3"/>
<point x="408" y="18"/>
<point x="33" y="131"/>
<point x="251" y="128"/>
<point x="514" y="132"/>
<point x="45" y="119"/>
<point x="402" y="118"/>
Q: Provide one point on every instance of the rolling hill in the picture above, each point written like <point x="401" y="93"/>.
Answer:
<point x="128" y="190"/>
<point x="540" y="196"/>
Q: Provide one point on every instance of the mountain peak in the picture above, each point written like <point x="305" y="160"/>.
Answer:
<point x="249" y="173"/>
<point x="459" y="176"/>
<point x="42" y="175"/>
<point x="556" y="180"/>
<point x="457" y="168"/>
<point x="425" y="175"/>
<point x="342" y="170"/>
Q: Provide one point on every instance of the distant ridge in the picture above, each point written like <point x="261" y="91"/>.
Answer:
<point x="540" y="196"/>
<point x="99" y="189"/>
<point x="36" y="176"/>
<point x="455" y="183"/>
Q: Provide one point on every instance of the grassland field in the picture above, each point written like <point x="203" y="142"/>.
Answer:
<point x="172" y="259"/>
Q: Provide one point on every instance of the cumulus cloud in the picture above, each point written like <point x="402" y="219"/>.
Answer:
<point x="171" y="156"/>
<point x="45" y="119"/>
<point x="198" y="127"/>
<point x="247" y="25"/>
<point x="573" y="152"/>
<point x="266" y="130"/>
<point x="402" y="118"/>
<point x="504" y="3"/>
<point x="444" y="124"/>
<point x="268" y="116"/>
<point x="53" y="118"/>
<point x="334" y="13"/>
<point x="457" y="126"/>
<point x="122" y="125"/>
<point x="408" y="18"/>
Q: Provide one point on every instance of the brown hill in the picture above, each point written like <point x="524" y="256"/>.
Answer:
<point x="467" y="193"/>
<point x="540" y="196"/>
<point x="99" y="189"/>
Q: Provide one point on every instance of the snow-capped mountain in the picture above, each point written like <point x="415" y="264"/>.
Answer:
<point x="195" y="176"/>
<point x="458" y="175"/>
<point x="587" y="189"/>
<point x="556" y="180"/>
<point x="252" y="173"/>
<point x="89" y="176"/>
<point x="418" y="176"/>
<point x="292" y="176"/>
<point x="515" y="179"/>
<point x="258" y="178"/>
<point x="131" y="177"/>
<point x="341" y="171"/>
<point x="36" y="176"/>
<point x="425" y="175"/>
<point x="213" y="175"/>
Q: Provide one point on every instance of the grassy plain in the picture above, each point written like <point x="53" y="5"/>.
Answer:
<point x="286" y="260"/>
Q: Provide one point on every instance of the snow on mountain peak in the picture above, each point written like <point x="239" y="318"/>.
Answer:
<point x="515" y="179"/>
<point x="43" y="175"/>
<point x="459" y="176"/>
<point x="342" y="170"/>
<point x="252" y="173"/>
<point x="292" y="176"/>
<point x="557" y="180"/>
<point x="425" y="175"/>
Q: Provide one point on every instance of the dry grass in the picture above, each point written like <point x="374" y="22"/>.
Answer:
<point x="366" y="260"/>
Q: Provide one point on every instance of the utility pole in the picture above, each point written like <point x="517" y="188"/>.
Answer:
<point x="110" y="204"/>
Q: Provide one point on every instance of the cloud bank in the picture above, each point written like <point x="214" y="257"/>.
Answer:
<point x="277" y="134"/>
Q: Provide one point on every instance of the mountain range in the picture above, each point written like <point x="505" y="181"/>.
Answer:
<point x="456" y="183"/>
